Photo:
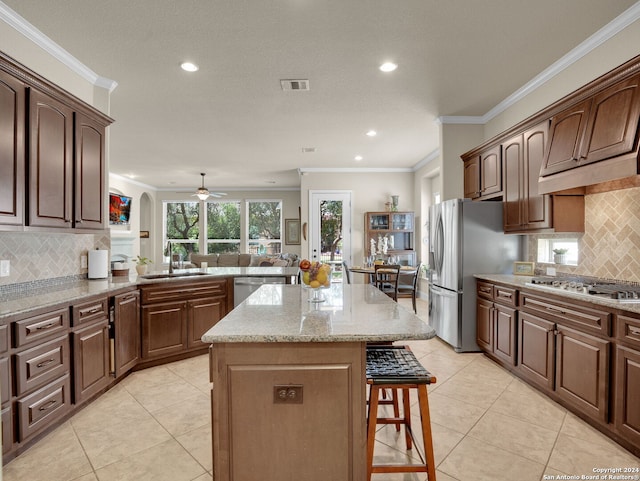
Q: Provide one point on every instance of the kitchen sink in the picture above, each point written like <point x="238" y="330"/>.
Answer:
<point x="172" y="275"/>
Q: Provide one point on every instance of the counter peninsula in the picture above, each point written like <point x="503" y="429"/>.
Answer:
<point x="289" y="381"/>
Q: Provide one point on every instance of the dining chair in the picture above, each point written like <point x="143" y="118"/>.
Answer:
<point x="345" y="272"/>
<point x="386" y="279"/>
<point x="406" y="290"/>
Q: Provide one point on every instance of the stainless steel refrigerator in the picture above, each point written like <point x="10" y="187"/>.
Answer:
<point x="465" y="238"/>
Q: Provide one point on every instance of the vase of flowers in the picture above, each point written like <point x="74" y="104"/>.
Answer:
<point x="141" y="265"/>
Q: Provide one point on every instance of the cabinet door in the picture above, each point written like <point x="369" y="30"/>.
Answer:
<point x="90" y="360"/>
<point x="5" y="380"/>
<point x="536" y="207"/>
<point x="90" y="173"/>
<point x="582" y="372"/>
<point x="50" y="162"/>
<point x="491" y="172"/>
<point x="127" y="331"/>
<point x="613" y="122"/>
<point x="536" y="349"/>
<point x="484" y="328"/>
<point x="7" y="430"/>
<point x="12" y="158"/>
<point x="504" y="346"/>
<point x="203" y="314"/>
<point x="627" y="393"/>
<point x="472" y="178"/>
<point x="513" y="177"/>
<point x="164" y="329"/>
<point x="565" y="136"/>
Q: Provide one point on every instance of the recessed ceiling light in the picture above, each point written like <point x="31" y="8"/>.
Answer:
<point x="372" y="133"/>
<point x="388" y="67"/>
<point x="308" y="150"/>
<point x="357" y="158"/>
<point x="189" y="67"/>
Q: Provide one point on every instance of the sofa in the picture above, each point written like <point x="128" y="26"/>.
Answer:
<point x="243" y="260"/>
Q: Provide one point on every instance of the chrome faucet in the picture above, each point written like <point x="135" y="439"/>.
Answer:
<point x="170" y="257"/>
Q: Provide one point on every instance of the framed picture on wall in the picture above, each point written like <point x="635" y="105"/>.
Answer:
<point x="292" y="231"/>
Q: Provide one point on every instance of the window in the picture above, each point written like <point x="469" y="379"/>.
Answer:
<point x="181" y="227"/>
<point x="264" y="226"/>
<point x="223" y="227"/>
<point x="546" y="247"/>
<point x="252" y="226"/>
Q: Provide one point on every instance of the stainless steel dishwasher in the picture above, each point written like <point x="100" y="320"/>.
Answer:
<point x="244" y="286"/>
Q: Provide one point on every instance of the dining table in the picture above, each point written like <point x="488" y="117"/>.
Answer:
<point x="370" y="271"/>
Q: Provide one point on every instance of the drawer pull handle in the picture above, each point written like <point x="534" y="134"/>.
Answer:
<point x="94" y="310"/>
<point x="128" y="298"/>
<point x="46" y="326"/>
<point x="45" y="363"/>
<point x="634" y="330"/>
<point x="485" y="289"/>
<point x="504" y="294"/>
<point x="47" y="406"/>
<point x="553" y="309"/>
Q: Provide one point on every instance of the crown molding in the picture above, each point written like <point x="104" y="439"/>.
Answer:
<point x="432" y="156"/>
<point x="614" y="27"/>
<point x="22" y="26"/>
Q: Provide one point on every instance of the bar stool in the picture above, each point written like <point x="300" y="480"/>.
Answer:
<point x="396" y="368"/>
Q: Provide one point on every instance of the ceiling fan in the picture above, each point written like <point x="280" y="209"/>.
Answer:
<point x="203" y="193"/>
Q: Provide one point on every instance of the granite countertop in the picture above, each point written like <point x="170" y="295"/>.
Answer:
<point x="525" y="282"/>
<point x="26" y="301"/>
<point x="351" y="312"/>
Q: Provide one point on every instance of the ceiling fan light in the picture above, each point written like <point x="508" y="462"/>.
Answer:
<point x="203" y="194"/>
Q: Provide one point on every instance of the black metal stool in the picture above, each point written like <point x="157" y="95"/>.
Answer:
<point x="396" y="367"/>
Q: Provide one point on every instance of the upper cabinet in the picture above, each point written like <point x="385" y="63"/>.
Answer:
<point x="483" y="174"/>
<point x="12" y="156"/>
<point x="52" y="155"/>
<point x="598" y="128"/>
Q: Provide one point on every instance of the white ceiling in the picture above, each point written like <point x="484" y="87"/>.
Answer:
<point x="232" y="120"/>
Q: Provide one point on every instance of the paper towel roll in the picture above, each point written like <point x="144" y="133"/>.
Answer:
<point x="98" y="264"/>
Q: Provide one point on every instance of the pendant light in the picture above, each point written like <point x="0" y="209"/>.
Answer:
<point x="203" y="193"/>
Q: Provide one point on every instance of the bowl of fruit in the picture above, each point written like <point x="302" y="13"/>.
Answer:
<point x="315" y="276"/>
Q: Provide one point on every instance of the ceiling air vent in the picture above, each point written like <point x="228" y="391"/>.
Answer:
<point x="294" y="84"/>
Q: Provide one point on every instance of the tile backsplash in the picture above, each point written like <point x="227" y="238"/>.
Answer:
<point x="39" y="256"/>
<point x="610" y="245"/>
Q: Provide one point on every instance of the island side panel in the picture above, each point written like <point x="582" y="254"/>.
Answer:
<point x="323" y="437"/>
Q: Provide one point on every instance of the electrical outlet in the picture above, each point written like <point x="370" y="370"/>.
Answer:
<point x="5" y="268"/>
<point x="551" y="271"/>
<point x="83" y="262"/>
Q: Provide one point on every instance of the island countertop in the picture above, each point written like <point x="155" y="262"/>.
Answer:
<point x="350" y="312"/>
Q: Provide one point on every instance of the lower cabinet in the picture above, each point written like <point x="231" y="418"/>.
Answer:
<point x="496" y="317"/>
<point x="126" y="335"/>
<point x="536" y="350"/>
<point x="164" y="329"/>
<point x="627" y="393"/>
<point x="582" y="372"/>
<point x="90" y="360"/>
<point x="175" y="317"/>
<point x="38" y="410"/>
<point x="7" y="429"/>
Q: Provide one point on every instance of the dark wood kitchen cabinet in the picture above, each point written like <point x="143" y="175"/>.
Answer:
<point x="52" y="155"/>
<point x="90" y="174"/>
<point x="601" y="127"/>
<point x="536" y="350"/>
<point x="50" y="162"/>
<point x="126" y="324"/>
<point x="90" y="341"/>
<point x="627" y="377"/>
<point x="483" y="174"/>
<point x="524" y="208"/>
<point x="12" y="150"/>
<point x="175" y="316"/>
<point x="496" y="322"/>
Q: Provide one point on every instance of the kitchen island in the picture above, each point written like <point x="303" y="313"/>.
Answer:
<point x="289" y="381"/>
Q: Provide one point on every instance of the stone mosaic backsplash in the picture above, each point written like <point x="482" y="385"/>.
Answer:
<point x="38" y="257"/>
<point x="610" y="245"/>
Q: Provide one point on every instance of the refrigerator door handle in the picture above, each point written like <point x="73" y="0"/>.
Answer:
<point x="439" y="246"/>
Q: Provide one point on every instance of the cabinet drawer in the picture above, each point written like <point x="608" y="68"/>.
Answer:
<point x="484" y="290"/>
<point x="628" y="330"/>
<point x="505" y="295"/>
<point x="40" y="409"/>
<point x="590" y="320"/>
<point x="39" y="365"/>
<point x="40" y="327"/>
<point x="94" y="310"/>
<point x="182" y="291"/>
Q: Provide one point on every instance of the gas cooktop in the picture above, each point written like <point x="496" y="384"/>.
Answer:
<point x="591" y="287"/>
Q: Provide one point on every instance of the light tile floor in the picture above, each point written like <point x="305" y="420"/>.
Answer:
<point x="487" y="426"/>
